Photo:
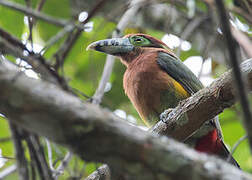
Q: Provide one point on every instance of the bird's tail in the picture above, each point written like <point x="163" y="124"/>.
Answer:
<point x="208" y="139"/>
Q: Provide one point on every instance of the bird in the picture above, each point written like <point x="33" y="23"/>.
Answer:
<point x="155" y="80"/>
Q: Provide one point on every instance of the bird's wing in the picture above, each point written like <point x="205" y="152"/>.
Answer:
<point x="184" y="76"/>
<point x="180" y="72"/>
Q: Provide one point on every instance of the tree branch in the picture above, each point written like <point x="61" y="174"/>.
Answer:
<point x="22" y="164"/>
<point x="102" y="173"/>
<point x="40" y="107"/>
<point x="191" y="113"/>
<point x="7" y="171"/>
<point x="243" y="41"/>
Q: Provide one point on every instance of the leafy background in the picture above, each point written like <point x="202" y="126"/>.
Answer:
<point x="83" y="70"/>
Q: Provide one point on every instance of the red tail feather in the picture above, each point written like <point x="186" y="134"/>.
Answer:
<point x="212" y="144"/>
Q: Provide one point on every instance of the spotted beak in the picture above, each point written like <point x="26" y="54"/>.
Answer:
<point x="115" y="46"/>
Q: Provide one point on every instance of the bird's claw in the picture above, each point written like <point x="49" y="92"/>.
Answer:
<point x="164" y="115"/>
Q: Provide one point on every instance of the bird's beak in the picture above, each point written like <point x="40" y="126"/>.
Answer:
<point x="115" y="46"/>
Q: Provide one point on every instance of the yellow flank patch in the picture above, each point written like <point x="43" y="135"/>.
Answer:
<point x="180" y="89"/>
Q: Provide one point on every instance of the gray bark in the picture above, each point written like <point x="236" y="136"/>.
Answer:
<point x="98" y="135"/>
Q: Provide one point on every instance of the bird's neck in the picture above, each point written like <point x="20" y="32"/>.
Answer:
<point x="128" y="58"/>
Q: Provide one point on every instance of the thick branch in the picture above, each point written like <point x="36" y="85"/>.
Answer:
<point x="45" y="109"/>
<point x="191" y="113"/>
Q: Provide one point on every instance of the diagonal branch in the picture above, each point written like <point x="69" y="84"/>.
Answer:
<point x="64" y="50"/>
<point x="38" y="63"/>
<point x="80" y="127"/>
<point x="191" y="113"/>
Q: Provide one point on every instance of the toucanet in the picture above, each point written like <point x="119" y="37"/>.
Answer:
<point x="156" y="80"/>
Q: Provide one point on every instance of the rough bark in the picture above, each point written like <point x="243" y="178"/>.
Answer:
<point x="98" y="135"/>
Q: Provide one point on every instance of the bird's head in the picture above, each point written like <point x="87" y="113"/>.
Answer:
<point x="127" y="47"/>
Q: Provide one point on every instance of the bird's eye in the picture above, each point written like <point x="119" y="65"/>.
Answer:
<point x="138" y="40"/>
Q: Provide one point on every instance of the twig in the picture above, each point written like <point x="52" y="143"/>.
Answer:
<point x="32" y="20"/>
<point x="60" y="169"/>
<point x="57" y="37"/>
<point x="49" y="152"/>
<point x="7" y="171"/>
<point x="36" y="14"/>
<point x="242" y="13"/>
<point x="102" y="173"/>
<point x="63" y="51"/>
<point x="63" y="165"/>
<point x="77" y="91"/>
<point x="5" y="139"/>
<point x="38" y="8"/>
<point x="189" y="29"/>
<point x="40" y="5"/>
<point x="22" y="164"/>
<point x="37" y="152"/>
<point x="30" y="23"/>
<point x="7" y="157"/>
<point x="235" y="147"/>
<point x="37" y="61"/>
<point x="240" y="87"/>
<point x="122" y="24"/>
<point x="243" y="40"/>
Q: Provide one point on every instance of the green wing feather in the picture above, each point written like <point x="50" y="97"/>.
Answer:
<point x="180" y="72"/>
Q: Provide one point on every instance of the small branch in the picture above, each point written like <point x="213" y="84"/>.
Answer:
<point x="7" y="171"/>
<point x="63" y="51"/>
<point x="5" y="139"/>
<point x="40" y="5"/>
<point x="102" y="173"/>
<point x="57" y="37"/>
<point x="243" y="41"/>
<point x="30" y="23"/>
<point x="234" y="60"/>
<point x="37" y="152"/>
<point x="189" y="29"/>
<point x="242" y="13"/>
<point x="39" y="64"/>
<point x="22" y="164"/>
<point x="36" y="14"/>
<point x="60" y="169"/>
<point x="49" y="152"/>
<point x="236" y="146"/>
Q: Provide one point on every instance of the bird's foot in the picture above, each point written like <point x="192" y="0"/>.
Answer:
<point x="164" y="115"/>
